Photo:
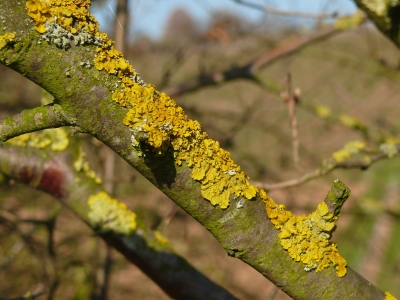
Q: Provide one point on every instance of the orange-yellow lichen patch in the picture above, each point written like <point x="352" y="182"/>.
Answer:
<point x="110" y="215"/>
<point x="6" y="38"/>
<point x="157" y="117"/>
<point x="389" y="296"/>
<point x="153" y="117"/>
<point x="71" y="15"/>
<point x="306" y="238"/>
<point x="56" y="139"/>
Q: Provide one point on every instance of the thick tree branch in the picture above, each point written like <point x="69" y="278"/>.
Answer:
<point x="385" y="15"/>
<point x="30" y="120"/>
<point x="54" y="174"/>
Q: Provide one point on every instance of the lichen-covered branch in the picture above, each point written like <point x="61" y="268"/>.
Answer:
<point x="385" y="15"/>
<point x="31" y="120"/>
<point x="58" y="174"/>
<point x="63" y="51"/>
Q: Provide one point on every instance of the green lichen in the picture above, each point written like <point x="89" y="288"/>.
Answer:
<point x="110" y="215"/>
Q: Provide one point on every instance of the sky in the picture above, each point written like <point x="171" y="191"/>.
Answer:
<point x="149" y="17"/>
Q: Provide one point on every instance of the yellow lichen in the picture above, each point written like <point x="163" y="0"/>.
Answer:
<point x="159" y="237"/>
<point x="350" y="21"/>
<point x="348" y="150"/>
<point x="6" y="38"/>
<point x="389" y="296"/>
<point x="157" y="121"/>
<point x="110" y="215"/>
<point x="56" y="139"/>
<point x="82" y="165"/>
<point x="306" y="238"/>
<point x="152" y="114"/>
<point x="351" y="122"/>
<point x="71" y="15"/>
<point x="322" y="111"/>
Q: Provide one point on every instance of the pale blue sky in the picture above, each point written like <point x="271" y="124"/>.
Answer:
<point x="150" y="16"/>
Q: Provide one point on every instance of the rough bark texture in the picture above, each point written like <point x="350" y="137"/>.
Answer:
<point x="244" y="232"/>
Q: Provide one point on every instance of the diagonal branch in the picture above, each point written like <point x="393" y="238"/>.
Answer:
<point x="327" y="167"/>
<point x="54" y="174"/>
<point x="287" y="13"/>
<point x="249" y="70"/>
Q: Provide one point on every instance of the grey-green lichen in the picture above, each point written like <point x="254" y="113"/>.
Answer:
<point x="110" y="215"/>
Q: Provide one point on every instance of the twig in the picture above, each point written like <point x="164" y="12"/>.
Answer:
<point x="164" y="223"/>
<point x="327" y="166"/>
<point x="40" y="290"/>
<point x="248" y="70"/>
<point x="271" y="10"/>
<point x="291" y="99"/>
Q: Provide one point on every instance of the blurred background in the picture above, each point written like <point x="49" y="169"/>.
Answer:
<point x="283" y="87"/>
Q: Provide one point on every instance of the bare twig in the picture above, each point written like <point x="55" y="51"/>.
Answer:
<point x="165" y="221"/>
<point x="248" y="71"/>
<point x="327" y="166"/>
<point x="39" y="291"/>
<point x="271" y="10"/>
<point x="291" y="99"/>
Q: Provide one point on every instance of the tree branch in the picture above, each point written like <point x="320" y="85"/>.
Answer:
<point x="326" y="167"/>
<point x="53" y="173"/>
<point x="249" y="70"/>
<point x="30" y="120"/>
<point x="286" y="13"/>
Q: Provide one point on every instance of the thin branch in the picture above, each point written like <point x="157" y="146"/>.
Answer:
<point x="248" y="71"/>
<point x="30" y="120"/>
<point x="287" y="13"/>
<point x="327" y="166"/>
<point x="291" y="99"/>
